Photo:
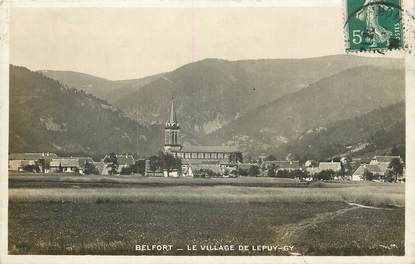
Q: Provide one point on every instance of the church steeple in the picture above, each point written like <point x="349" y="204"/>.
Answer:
<point x="171" y="131"/>
<point x="173" y="119"/>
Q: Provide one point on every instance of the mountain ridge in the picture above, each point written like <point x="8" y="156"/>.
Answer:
<point x="66" y="120"/>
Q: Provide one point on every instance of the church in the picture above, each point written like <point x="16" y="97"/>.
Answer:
<point x="196" y="156"/>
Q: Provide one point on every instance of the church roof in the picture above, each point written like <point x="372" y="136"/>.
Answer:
<point x="205" y="149"/>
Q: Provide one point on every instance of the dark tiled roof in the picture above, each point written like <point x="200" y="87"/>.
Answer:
<point x="78" y="162"/>
<point x="66" y="162"/>
<point x="206" y="149"/>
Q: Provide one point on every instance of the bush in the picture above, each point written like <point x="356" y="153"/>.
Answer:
<point x="206" y="172"/>
<point x="90" y="169"/>
<point x="271" y="172"/>
<point x="369" y="176"/>
<point x="126" y="170"/>
<point x="242" y="172"/>
<point x="254" y="170"/>
<point x="298" y="174"/>
<point x="389" y="177"/>
<point x="31" y="168"/>
<point x="283" y="174"/>
<point x="325" y="175"/>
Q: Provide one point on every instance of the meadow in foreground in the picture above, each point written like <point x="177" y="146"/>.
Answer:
<point x="316" y="220"/>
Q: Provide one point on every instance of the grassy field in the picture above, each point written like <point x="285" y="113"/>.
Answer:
<point x="81" y="215"/>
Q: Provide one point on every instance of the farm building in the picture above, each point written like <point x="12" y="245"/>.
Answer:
<point x="70" y="164"/>
<point x="19" y="165"/>
<point x="311" y="166"/>
<point x="379" y="165"/>
<point x="17" y="161"/>
<point x="332" y="165"/>
<point x="101" y="168"/>
<point x="281" y="165"/>
<point x="374" y="169"/>
<point x="384" y="159"/>
<point x="123" y="160"/>
<point x="208" y="167"/>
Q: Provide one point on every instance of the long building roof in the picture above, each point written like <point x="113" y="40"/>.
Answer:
<point x="385" y="158"/>
<point x="31" y="156"/>
<point x="213" y="149"/>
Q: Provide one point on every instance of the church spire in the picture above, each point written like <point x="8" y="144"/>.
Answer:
<point x="173" y="119"/>
<point x="172" y="131"/>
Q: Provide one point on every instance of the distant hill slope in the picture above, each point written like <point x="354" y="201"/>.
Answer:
<point x="381" y="129"/>
<point x="212" y="93"/>
<point x="101" y="88"/>
<point x="47" y="116"/>
<point x="344" y="95"/>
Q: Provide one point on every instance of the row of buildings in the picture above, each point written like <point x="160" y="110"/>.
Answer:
<point x="51" y="163"/>
<point x="195" y="161"/>
<point x="46" y="162"/>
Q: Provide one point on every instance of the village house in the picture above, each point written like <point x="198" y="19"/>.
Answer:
<point x="101" y="168"/>
<point x="69" y="164"/>
<point x="281" y="165"/>
<point x="18" y="161"/>
<point x="219" y="169"/>
<point x="311" y="167"/>
<point x="331" y="165"/>
<point x="358" y="175"/>
<point x="125" y="161"/>
<point x="384" y="161"/>
<point x="378" y="165"/>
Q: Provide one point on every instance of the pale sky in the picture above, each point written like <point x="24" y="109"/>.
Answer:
<point x="121" y="43"/>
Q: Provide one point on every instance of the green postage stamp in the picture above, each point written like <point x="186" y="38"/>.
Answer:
<point x="374" y="25"/>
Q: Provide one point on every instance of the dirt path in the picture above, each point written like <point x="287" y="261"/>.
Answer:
<point x="369" y="207"/>
<point x="290" y="233"/>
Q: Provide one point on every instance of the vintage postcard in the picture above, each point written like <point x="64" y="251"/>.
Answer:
<point x="207" y="131"/>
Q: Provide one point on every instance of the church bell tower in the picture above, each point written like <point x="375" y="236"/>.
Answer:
<point x="171" y="132"/>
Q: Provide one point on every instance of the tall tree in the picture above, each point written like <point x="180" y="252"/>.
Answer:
<point x="169" y="162"/>
<point x="396" y="167"/>
<point x="90" y="168"/>
<point x="112" y="163"/>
